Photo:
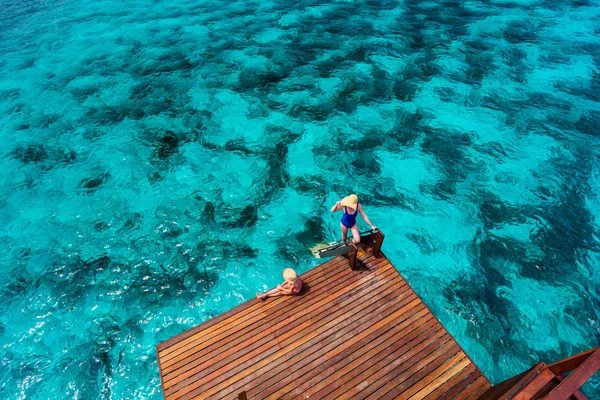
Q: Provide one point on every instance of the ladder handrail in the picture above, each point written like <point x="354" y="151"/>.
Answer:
<point x="589" y="364"/>
<point x="569" y="364"/>
<point x="584" y="365"/>
<point x="340" y="242"/>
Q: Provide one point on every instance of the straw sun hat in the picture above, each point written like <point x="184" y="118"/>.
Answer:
<point x="289" y="275"/>
<point x="350" y="201"/>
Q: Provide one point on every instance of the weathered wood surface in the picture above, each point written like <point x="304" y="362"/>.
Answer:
<point x="360" y="334"/>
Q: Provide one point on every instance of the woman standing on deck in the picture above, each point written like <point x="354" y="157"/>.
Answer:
<point x="351" y="208"/>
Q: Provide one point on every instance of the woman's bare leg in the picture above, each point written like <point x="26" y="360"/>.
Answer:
<point x="344" y="232"/>
<point x="355" y="234"/>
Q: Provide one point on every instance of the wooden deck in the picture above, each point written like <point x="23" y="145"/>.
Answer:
<point x="350" y="334"/>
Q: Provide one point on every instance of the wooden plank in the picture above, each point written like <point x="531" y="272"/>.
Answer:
<point x="524" y="380"/>
<point x="369" y="366"/>
<point x="547" y="388"/>
<point x="260" y="317"/>
<point x="314" y="341"/>
<point x="248" y="336"/>
<point x="473" y="389"/>
<point x="417" y="371"/>
<point x="249" y="315"/>
<point x="329" y="317"/>
<point x="239" y="309"/>
<point x="430" y="384"/>
<point x="337" y="359"/>
<point x="561" y="367"/>
<point x="578" y="395"/>
<point x="319" y="361"/>
<point x="395" y="366"/>
<point x="451" y="383"/>
<point x="480" y="389"/>
<point x="337" y="368"/>
<point x="354" y="334"/>
<point x="272" y="306"/>
<point x="461" y="386"/>
<point x="314" y="276"/>
<point x="495" y="392"/>
<point x="344" y="336"/>
<point x="427" y="377"/>
<point x="573" y="382"/>
<point x="283" y="388"/>
<point x="298" y="345"/>
<point x="365" y="314"/>
<point x="162" y="383"/>
<point x="283" y="327"/>
<point x="274" y="385"/>
<point x="533" y="387"/>
<point x="342" y="277"/>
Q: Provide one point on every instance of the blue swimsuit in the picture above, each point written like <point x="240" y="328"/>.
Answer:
<point x="349" y="220"/>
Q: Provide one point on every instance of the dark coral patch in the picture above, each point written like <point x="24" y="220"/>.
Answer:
<point x="93" y="183"/>
<point x="31" y="153"/>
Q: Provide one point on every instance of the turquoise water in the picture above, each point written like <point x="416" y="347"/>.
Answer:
<point x="162" y="162"/>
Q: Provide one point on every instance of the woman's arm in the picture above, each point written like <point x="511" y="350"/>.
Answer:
<point x="337" y="207"/>
<point x="362" y="212"/>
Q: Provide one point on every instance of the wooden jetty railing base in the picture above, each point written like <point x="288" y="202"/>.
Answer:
<point x="352" y="256"/>
<point x="373" y="240"/>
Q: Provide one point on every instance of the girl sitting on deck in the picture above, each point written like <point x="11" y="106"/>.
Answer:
<point x="350" y="204"/>
<point x="291" y="286"/>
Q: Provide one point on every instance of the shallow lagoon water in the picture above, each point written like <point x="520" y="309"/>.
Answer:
<point x="161" y="162"/>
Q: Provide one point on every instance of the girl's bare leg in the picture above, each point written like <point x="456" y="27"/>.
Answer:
<point x="344" y="232"/>
<point x="271" y="293"/>
<point x="355" y="234"/>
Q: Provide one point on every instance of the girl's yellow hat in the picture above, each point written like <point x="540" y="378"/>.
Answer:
<point x="289" y="275"/>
